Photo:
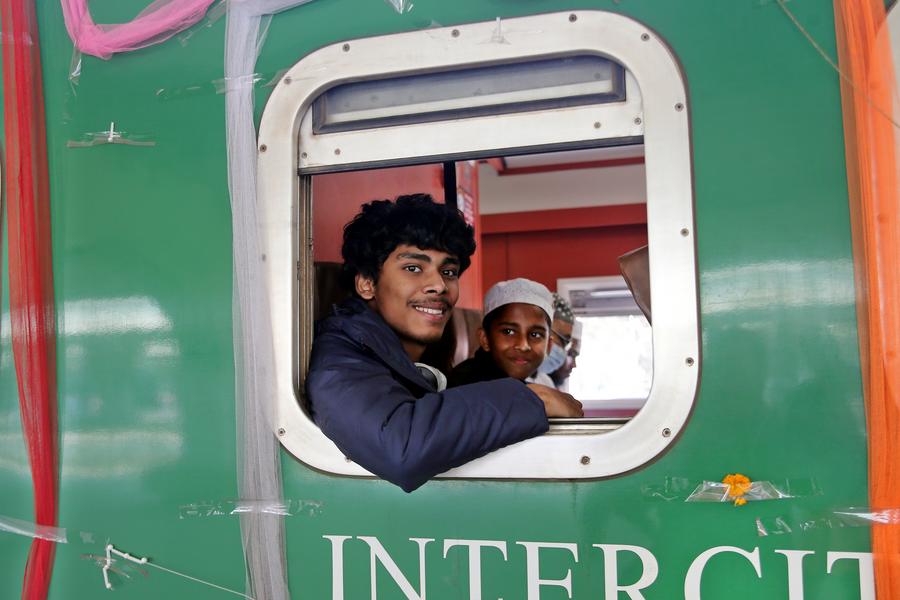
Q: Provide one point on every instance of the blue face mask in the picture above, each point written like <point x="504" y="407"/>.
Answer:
<point x="554" y="360"/>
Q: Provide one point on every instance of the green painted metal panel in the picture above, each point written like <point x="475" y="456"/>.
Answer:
<point x="142" y="260"/>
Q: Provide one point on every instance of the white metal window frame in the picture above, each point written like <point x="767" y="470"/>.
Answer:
<point x="286" y="144"/>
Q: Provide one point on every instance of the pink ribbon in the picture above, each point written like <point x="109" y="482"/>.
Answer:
<point x="158" y="22"/>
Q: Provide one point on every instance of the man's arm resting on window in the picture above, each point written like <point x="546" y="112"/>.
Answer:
<point x="378" y="423"/>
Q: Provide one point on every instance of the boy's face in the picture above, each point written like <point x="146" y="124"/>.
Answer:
<point x="517" y="339"/>
<point x="561" y="333"/>
<point x="415" y="292"/>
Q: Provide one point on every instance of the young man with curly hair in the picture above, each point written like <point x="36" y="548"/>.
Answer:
<point x="403" y="260"/>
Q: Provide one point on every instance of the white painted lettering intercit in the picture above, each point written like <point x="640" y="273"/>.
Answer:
<point x="866" y="570"/>
<point x="795" y="571"/>
<point x="532" y="568"/>
<point x="537" y="578"/>
<point x="649" y="571"/>
<point x="695" y="571"/>
<point x="378" y="554"/>
<point x="475" y="547"/>
<point x="337" y="564"/>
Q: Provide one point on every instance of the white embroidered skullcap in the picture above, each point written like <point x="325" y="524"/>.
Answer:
<point x="577" y="329"/>
<point x="562" y="310"/>
<point x="523" y="291"/>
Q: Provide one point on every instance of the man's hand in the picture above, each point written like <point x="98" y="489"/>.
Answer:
<point x="557" y="403"/>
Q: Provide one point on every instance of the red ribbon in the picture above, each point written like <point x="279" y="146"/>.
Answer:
<point x="30" y="273"/>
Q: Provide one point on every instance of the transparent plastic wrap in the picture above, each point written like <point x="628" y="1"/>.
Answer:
<point x="286" y="508"/>
<point x="738" y="489"/>
<point x="220" y="86"/>
<point x="110" y="136"/>
<point x="158" y="22"/>
<point x="227" y="84"/>
<point x="735" y="488"/>
<point x="833" y="519"/>
<point x="213" y="15"/>
<point x="864" y="517"/>
<point x="75" y="70"/>
<point x="33" y="530"/>
<point x="259" y="469"/>
<point x="401" y="6"/>
<point x="672" y="489"/>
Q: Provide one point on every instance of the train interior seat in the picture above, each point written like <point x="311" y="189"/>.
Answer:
<point x="635" y="267"/>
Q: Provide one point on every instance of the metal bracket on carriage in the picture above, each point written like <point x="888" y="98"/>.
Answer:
<point x="111" y="136"/>
<point x="110" y="550"/>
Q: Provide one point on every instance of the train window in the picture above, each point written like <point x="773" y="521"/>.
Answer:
<point x="469" y="92"/>
<point x="306" y="151"/>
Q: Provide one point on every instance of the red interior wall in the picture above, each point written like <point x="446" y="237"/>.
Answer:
<point x="547" y="245"/>
<point x="338" y="196"/>
<point x="471" y="294"/>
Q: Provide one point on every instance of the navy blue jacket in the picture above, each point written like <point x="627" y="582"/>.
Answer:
<point x="370" y="399"/>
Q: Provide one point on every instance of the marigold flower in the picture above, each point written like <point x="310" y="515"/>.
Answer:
<point x="738" y="485"/>
<point x="740" y="501"/>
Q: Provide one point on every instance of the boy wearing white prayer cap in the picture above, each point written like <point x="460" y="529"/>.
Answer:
<point x="514" y="333"/>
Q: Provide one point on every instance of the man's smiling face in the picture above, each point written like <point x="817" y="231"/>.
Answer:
<point x="414" y="294"/>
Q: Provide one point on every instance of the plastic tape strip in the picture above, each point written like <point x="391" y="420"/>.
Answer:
<point x="111" y="136"/>
<point x="287" y="508"/>
<point x="714" y="491"/>
<point x="401" y="6"/>
<point x="33" y="530"/>
<point x="835" y="519"/>
<point x="682" y="489"/>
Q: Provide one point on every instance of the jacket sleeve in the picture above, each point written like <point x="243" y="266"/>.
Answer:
<point x="378" y="423"/>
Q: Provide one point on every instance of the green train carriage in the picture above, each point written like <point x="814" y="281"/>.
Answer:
<point x="755" y="341"/>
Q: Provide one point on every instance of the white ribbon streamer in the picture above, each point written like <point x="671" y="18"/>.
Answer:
<point x="259" y="471"/>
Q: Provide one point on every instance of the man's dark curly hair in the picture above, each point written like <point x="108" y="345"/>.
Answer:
<point x="416" y="220"/>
